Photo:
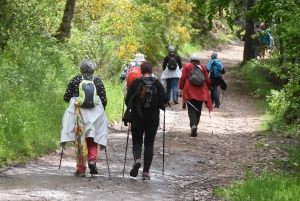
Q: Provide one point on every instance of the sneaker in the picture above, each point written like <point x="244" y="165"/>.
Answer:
<point x="217" y="106"/>
<point x="79" y="174"/>
<point x="93" y="168"/>
<point x="175" y="101"/>
<point x="135" y="168"/>
<point x="194" y="131"/>
<point x="145" y="176"/>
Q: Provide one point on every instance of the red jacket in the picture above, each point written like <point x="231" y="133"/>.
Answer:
<point x="195" y="92"/>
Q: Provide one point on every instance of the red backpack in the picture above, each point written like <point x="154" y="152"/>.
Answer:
<point x="133" y="73"/>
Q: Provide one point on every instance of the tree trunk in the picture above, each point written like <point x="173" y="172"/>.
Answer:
<point x="4" y="21"/>
<point x="249" y="49"/>
<point x="221" y="13"/>
<point x="64" y="30"/>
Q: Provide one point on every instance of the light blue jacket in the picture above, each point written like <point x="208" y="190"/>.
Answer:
<point x="217" y="66"/>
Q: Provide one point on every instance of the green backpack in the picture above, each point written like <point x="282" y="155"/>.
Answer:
<point x="87" y="93"/>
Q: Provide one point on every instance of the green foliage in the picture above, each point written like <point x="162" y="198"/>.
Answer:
<point x="294" y="160"/>
<point x="284" y="104"/>
<point x="233" y="9"/>
<point x="267" y="187"/>
<point x="254" y="75"/>
<point x="115" y="97"/>
<point x="30" y="109"/>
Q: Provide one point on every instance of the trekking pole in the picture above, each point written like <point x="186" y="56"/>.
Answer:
<point x="164" y="132"/>
<point x="199" y="111"/>
<point x="61" y="154"/>
<point x="107" y="164"/>
<point x="126" y="148"/>
<point x="192" y="106"/>
<point x="220" y="96"/>
<point x="210" y="123"/>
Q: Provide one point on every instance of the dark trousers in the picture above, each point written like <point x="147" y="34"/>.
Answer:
<point x="214" y="95"/>
<point x="194" y="115"/>
<point x="145" y="127"/>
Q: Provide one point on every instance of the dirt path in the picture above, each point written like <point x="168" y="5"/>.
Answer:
<point x="193" y="166"/>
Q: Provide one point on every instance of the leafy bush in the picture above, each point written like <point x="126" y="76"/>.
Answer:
<point x="30" y="111"/>
<point x="267" y="187"/>
<point x="256" y="80"/>
<point x="285" y="104"/>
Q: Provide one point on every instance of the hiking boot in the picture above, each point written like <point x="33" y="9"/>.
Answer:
<point x="194" y="131"/>
<point x="145" y="176"/>
<point x="79" y="174"/>
<point x="135" y="168"/>
<point x="93" y="168"/>
<point x="175" y="101"/>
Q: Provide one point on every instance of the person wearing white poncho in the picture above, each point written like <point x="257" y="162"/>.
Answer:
<point x="171" y="77"/>
<point x="86" y="127"/>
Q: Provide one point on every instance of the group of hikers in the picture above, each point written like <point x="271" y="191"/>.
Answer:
<point x="85" y="121"/>
<point x="262" y="40"/>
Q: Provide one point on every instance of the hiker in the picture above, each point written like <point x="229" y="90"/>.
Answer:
<point x="194" y="96"/>
<point x="144" y="121"/>
<point x="138" y="59"/>
<point x="132" y="71"/>
<point x="172" y="72"/>
<point x="87" y="127"/>
<point x="215" y="69"/>
<point x="126" y="69"/>
<point x="265" y="41"/>
<point x="257" y="40"/>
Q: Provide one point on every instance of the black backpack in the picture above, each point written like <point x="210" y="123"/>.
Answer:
<point x="172" y="63"/>
<point x="197" y="77"/>
<point x="147" y="93"/>
<point x="145" y="97"/>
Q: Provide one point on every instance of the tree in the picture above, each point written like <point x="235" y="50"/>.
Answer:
<point x="249" y="46"/>
<point x="64" y="30"/>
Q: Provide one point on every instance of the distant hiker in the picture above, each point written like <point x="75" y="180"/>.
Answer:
<point x="132" y="71"/>
<point x="172" y="72"/>
<point x="87" y="127"/>
<point x="215" y="69"/>
<point x="265" y="41"/>
<point x="143" y="103"/>
<point x="136" y="62"/>
<point x="194" y="96"/>
<point x="126" y="69"/>
<point x="257" y="40"/>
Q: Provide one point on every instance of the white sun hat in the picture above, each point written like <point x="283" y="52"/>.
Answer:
<point x="139" y="57"/>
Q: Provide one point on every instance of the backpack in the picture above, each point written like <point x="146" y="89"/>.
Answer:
<point x="172" y="64"/>
<point x="197" y="77"/>
<point x="212" y="70"/>
<point x="133" y="73"/>
<point x="87" y="93"/>
<point x="216" y="73"/>
<point x="147" y="93"/>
